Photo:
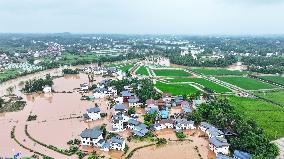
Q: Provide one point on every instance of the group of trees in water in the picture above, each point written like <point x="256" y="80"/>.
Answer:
<point x="245" y="136"/>
<point x="37" y="85"/>
<point x="70" y="71"/>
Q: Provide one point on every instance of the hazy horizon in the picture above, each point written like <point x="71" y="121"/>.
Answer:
<point x="158" y="17"/>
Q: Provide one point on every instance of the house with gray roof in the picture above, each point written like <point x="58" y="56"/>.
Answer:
<point x="140" y="130"/>
<point x="220" y="156"/>
<point x="181" y="124"/>
<point x="117" y="143"/>
<point x="90" y="137"/>
<point x="241" y="155"/>
<point x="93" y="113"/>
<point x="119" y="122"/>
<point x="219" y="145"/>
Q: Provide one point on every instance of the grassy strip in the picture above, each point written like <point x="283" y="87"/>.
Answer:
<point x="246" y="83"/>
<point x="137" y="148"/>
<point x="51" y="147"/>
<point x="217" y="72"/>
<point x="205" y="83"/>
<point x="23" y="146"/>
<point x="176" y="89"/>
<point x="264" y="113"/>
<point x="169" y="72"/>
<point x="142" y="71"/>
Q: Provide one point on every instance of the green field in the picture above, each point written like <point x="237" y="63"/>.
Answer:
<point x="9" y="74"/>
<point x="176" y="89"/>
<point x="142" y="71"/>
<point x="213" y="86"/>
<point x="126" y="68"/>
<point x="217" y="72"/>
<point x="277" y="97"/>
<point x="267" y="116"/>
<point x="276" y="79"/>
<point x="168" y="72"/>
<point x="246" y="83"/>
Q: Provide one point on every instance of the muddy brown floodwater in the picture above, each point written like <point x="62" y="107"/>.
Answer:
<point x="57" y="122"/>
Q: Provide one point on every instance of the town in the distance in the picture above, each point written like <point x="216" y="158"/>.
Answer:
<point x="95" y="96"/>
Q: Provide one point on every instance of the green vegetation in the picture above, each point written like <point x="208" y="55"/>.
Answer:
<point x="268" y="116"/>
<point x="217" y="72"/>
<point x="9" y="74"/>
<point x="70" y="71"/>
<point x="170" y="72"/>
<point x="246" y="83"/>
<point x="12" y="105"/>
<point x="276" y="79"/>
<point x="149" y="119"/>
<point x="37" y="85"/>
<point x="75" y="59"/>
<point x="277" y="97"/>
<point x="126" y="68"/>
<point x="180" y="135"/>
<point x="208" y="84"/>
<point x="131" y="111"/>
<point x="250" y="136"/>
<point x="142" y="71"/>
<point x="176" y="89"/>
<point x="161" y="141"/>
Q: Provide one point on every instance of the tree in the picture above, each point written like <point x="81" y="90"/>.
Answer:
<point x="10" y="90"/>
<point x="131" y="111"/>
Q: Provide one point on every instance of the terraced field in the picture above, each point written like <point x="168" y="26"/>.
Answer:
<point x="213" y="86"/>
<point x="246" y="83"/>
<point x="168" y="72"/>
<point x="217" y="72"/>
<point x="277" y="97"/>
<point x="142" y="71"/>
<point x="267" y="115"/>
<point x="176" y="89"/>
<point x="276" y="79"/>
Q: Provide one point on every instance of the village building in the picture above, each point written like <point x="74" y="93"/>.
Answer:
<point x="140" y="130"/>
<point x="90" y="137"/>
<point x="120" y="109"/>
<point x="117" y="143"/>
<point x="84" y="87"/>
<point x="219" y="145"/>
<point x="181" y="124"/>
<point x="92" y="114"/>
<point x="119" y="122"/>
<point x="241" y="155"/>
<point x="47" y="89"/>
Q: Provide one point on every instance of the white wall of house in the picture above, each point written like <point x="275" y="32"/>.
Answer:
<point x="99" y="95"/>
<point x="223" y="150"/>
<point x="117" y="146"/>
<point x="95" y="116"/>
<point x="90" y="142"/>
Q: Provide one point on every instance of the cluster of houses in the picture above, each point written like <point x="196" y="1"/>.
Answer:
<point x="94" y="137"/>
<point x="105" y="71"/>
<point x="121" y="121"/>
<point x="23" y="67"/>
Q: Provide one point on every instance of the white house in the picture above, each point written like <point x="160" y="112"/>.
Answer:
<point x="99" y="92"/>
<point x="119" y="122"/>
<point x="94" y="113"/>
<point x="117" y="143"/>
<point x="181" y="124"/>
<point x="210" y="130"/>
<point x="219" y="145"/>
<point x="168" y="123"/>
<point x="133" y="102"/>
<point x="84" y="87"/>
<point x="47" y="89"/>
<point x="132" y="123"/>
<point x="90" y="137"/>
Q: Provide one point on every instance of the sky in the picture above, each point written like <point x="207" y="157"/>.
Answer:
<point x="193" y="17"/>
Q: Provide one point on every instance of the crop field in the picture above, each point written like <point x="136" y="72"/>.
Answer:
<point x="126" y="68"/>
<point x="246" y="83"/>
<point x="168" y="72"/>
<point x="176" y="89"/>
<point x="277" y="97"/>
<point x="213" y="86"/>
<point x="276" y="79"/>
<point x="9" y="74"/>
<point x="70" y="59"/>
<point x="217" y="72"/>
<point x="142" y="71"/>
<point x="267" y="115"/>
